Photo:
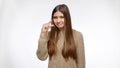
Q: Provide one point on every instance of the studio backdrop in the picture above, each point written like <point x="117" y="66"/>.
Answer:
<point x="21" y="22"/>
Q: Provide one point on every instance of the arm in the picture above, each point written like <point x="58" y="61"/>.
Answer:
<point x="80" y="51"/>
<point x="42" y="52"/>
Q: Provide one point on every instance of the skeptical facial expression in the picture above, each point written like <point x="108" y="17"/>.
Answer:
<point x="58" y="19"/>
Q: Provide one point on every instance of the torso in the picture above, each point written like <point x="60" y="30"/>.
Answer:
<point x="58" y="61"/>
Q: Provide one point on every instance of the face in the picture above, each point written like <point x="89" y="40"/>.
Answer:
<point x="58" y="19"/>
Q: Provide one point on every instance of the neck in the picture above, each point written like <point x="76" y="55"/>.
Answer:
<point x="61" y="30"/>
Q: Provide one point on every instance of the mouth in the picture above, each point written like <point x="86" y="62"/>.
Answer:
<point x="58" y="23"/>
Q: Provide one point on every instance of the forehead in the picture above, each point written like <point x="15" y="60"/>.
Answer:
<point x="58" y="13"/>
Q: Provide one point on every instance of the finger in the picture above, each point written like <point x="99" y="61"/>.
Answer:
<point x="50" y="24"/>
<point x="45" y="26"/>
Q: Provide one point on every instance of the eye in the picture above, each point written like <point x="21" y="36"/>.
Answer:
<point x="54" y="17"/>
<point x="61" y="16"/>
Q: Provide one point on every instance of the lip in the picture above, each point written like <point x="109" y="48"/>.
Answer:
<point x="58" y="24"/>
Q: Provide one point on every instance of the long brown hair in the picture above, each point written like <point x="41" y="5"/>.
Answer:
<point x="69" y="48"/>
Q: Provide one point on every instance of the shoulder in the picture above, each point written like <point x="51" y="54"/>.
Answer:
<point x="78" y="36"/>
<point x="76" y="33"/>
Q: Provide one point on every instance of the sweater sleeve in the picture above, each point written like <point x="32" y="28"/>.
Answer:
<point x="42" y="52"/>
<point x="80" y="51"/>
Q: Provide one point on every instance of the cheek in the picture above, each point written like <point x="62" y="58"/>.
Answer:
<point x="54" y="21"/>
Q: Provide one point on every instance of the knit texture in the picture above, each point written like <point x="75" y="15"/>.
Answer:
<point x="58" y="61"/>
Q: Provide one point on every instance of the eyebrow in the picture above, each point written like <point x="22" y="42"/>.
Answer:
<point x="58" y="16"/>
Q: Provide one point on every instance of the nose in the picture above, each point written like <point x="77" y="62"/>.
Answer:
<point x="58" y="20"/>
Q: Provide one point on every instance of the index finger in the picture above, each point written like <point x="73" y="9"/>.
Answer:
<point x="50" y="24"/>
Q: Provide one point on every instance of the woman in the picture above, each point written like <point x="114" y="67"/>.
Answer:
<point x="62" y="44"/>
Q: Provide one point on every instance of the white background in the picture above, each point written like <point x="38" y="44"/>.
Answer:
<point x="21" y="22"/>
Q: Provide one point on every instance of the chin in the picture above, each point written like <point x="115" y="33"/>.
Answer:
<point x="60" y="27"/>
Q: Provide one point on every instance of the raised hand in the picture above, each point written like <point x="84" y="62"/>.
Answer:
<point x="46" y="27"/>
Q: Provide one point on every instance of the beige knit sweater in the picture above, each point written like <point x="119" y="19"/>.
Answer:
<point x="58" y="61"/>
